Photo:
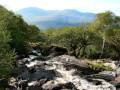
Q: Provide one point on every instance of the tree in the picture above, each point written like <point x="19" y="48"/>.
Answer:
<point x="21" y="33"/>
<point x="106" y="20"/>
<point x="34" y="33"/>
<point x="75" y="39"/>
<point x="103" y="22"/>
<point x="6" y="54"/>
<point x="113" y="41"/>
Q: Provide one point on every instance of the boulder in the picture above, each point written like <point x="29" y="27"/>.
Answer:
<point x="50" y="85"/>
<point x="68" y="85"/>
<point x="42" y="73"/>
<point x="63" y="73"/>
<point x="117" y="79"/>
<point x="112" y="64"/>
<point x="71" y="62"/>
<point x="4" y="83"/>
<point x="94" y="81"/>
<point x="106" y="75"/>
<point x="36" y="85"/>
<point x="31" y="70"/>
<point x="118" y="71"/>
<point x="53" y="51"/>
<point x="23" y="84"/>
<point x="60" y="50"/>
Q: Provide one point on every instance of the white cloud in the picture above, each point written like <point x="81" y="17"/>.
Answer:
<point x="82" y="5"/>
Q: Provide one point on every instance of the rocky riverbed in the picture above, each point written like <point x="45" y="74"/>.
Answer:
<point x="62" y="72"/>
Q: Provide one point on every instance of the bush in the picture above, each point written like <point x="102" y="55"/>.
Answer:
<point x="6" y="54"/>
<point x="21" y="33"/>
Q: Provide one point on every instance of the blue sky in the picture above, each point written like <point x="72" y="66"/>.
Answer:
<point x="94" y="6"/>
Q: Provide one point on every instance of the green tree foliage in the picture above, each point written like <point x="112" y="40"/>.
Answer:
<point x="113" y="42"/>
<point x="103" y="23"/>
<point x="21" y="33"/>
<point x="75" y="39"/>
<point x="99" y="39"/>
<point x="106" y="20"/>
<point x="6" y="54"/>
<point x="34" y="33"/>
<point x="15" y="37"/>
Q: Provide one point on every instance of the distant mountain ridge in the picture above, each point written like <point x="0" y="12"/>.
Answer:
<point x="55" y="18"/>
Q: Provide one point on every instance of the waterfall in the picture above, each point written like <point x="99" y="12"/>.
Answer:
<point x="49" y="70"/>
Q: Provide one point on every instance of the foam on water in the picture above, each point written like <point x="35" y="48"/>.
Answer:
<point x="32" y="83"/>
<point x="32" y="64"/>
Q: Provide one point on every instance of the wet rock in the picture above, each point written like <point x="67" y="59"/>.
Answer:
<point x="25" y="60"/>
<point x="57" y="50"/>
<point x="36" y="85"/>
<point x="20" y="56"/>
<point x="34" y="52"/>
<point x="4" y="83"/>
<point x="116" y="84"/>
<point x="94" y="81"/>
<point x="106" y="75"/>
<point x="71" y="62"/>
<point x="118" y="71"/>
<point x="23" y="84"/>
<point x="52" y="86"/>
<point x="111" y="64"/>
<point x="68" y="85"/>
<point x="31" y="70"/>
<point x="32" y="57"/>
<point x="53" y="51"/>
<point x="34" y="88"/>
<point x="117" y="79"/>
<point x="42" y="73"/>
<point x="42" y="81"/>
<point x="63" y="73"/>
<point x="31" y="64"/>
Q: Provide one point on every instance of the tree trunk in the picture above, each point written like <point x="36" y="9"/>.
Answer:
<point x="103" y="45"/>
<point x="78" y="52"/>
<point x="83" y="52"/>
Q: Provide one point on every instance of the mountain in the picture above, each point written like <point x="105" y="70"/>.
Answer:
<point x="55" y="18"/>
